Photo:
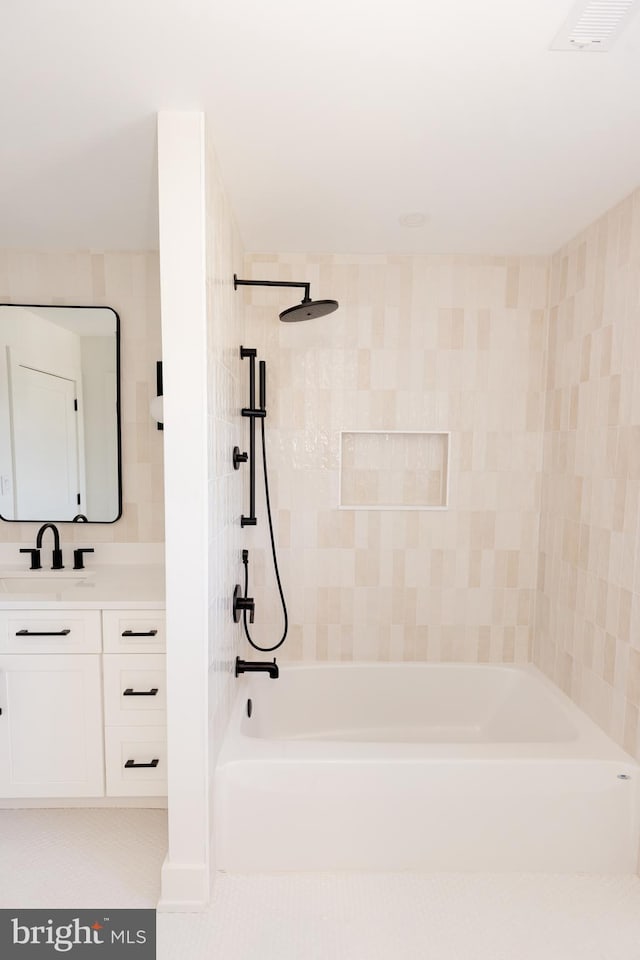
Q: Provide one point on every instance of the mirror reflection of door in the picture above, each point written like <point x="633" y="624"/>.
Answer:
<point x="45" y="444"/>
<point x="51" y="453"/>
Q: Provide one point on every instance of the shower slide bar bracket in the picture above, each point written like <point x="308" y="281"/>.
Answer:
<point x="252" y="412"/>
<point x="239" y="458"/>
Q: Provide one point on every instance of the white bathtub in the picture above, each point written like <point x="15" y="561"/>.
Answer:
<point x="412" y="766"/>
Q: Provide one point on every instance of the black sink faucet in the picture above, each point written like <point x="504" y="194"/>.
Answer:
<point x="257" y="666"/>
<point x="57" y="563"/>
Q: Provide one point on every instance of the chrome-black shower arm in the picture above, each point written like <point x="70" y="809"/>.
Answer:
<point x="273" y="283"/>
<point x="307" y="309"/>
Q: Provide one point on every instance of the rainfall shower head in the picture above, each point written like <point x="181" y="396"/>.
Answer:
<point x="308" y="309"/>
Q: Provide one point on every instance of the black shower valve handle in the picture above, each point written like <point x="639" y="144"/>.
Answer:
<point x="242" y="605"/>
<point x="239" y="457"/>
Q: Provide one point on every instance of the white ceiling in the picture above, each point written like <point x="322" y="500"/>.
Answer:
<point x="332" y="119"/>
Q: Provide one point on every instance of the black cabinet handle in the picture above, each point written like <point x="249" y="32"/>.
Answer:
<point x="143" y="633"/>
<point x="43" y="633"/>
<point x="130" y="692"/>
<point x="131" y="764"/>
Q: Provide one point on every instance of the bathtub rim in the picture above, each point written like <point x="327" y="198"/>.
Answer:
<point x="591" y="743"/>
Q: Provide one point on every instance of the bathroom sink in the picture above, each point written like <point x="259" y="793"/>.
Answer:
<point x="46" y="584"/>
<point x="48" y="576"/>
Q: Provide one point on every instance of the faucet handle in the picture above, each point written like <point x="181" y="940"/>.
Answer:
<point x="35" y="557"/>
<point x="78" y="559"/>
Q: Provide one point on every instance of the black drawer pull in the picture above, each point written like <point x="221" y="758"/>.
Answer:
<point x="143" y="633"/>
<point x="131" y="764"/>
<point x="44" y="633"/>
<point x="130" y="692"/>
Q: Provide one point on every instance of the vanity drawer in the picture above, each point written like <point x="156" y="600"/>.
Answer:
<point x="133" y="631"/>
<point x="134" y="689"/>
<point x="144" y="749"/>
<point x="50" y="631"/>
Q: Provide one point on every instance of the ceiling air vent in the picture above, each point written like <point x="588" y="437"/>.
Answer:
<point x="594" y="25"/>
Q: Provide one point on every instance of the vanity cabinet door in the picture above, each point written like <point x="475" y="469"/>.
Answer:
<point x="51" y="732"/>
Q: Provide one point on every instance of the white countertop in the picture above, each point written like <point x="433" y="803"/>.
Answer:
<point x="108" y="586"/>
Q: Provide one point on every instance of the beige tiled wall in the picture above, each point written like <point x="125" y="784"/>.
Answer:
<point x="418" y="344"/>
<point x="129" y="283"/>
<point x="394" y="469"/>
<point x="588" y="623"/>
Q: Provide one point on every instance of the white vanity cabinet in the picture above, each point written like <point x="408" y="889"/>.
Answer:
<point x="83" y="704"/>
<point x="51" y="742"/>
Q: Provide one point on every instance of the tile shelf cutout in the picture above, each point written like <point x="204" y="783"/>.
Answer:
<point x="394" y="470"/>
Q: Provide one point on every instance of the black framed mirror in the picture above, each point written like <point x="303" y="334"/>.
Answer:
<point x="60" y="442"/>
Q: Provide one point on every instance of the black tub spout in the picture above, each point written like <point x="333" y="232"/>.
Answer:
<point x="257" y="666"/>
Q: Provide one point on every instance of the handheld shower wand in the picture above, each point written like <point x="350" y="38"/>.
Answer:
<point x="244" y="604"/>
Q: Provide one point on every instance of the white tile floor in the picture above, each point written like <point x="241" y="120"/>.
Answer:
<point x="81" y="858"/>
<point x="410" y="917"/>
<point x="99" y="858"/>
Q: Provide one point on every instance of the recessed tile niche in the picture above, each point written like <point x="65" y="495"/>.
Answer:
<point x="394" y="471"/>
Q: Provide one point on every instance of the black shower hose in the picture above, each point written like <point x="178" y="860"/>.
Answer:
<point x="275" y="559"/>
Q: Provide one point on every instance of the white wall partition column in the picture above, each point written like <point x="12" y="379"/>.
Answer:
<point x="181" y="179"/>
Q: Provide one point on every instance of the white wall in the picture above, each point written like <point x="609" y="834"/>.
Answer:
<point x="201" y="334"/>
<point x="185" y="874"/>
